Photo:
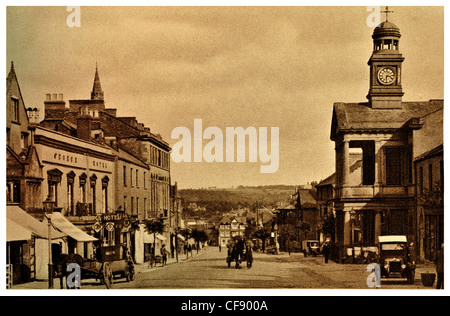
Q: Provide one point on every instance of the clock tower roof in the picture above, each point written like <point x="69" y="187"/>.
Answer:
<point x="386" y="29"/>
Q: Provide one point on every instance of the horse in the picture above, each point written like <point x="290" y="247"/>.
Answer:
<point x="238" y="252"/>
<point x="61" y="263"/>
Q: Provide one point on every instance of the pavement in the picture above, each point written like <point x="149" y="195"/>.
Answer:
<point x="139" y="268"/>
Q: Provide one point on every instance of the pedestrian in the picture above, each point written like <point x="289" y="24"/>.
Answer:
<point x="326" y="251"/>
<point x="164" y="254"/>
<point x="439" y="261"/>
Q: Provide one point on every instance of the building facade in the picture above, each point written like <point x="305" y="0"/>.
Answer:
<point x="231" y="227"/>
<point x="377" y="197"/>
<point x="429" y="169"/>
<point x="104" y="174"/>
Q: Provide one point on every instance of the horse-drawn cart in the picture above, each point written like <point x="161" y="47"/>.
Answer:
<point x="240" y="251"/>
<point x="112" y="262"/>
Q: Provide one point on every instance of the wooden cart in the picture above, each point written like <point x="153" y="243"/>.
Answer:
<point x="112" y="262"/>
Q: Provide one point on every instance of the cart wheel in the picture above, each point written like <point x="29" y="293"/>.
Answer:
<point x="107" y="275"/>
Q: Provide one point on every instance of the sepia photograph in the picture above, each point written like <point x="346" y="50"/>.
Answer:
<point x="254" y="147"/>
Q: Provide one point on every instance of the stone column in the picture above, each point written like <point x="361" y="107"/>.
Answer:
<point x="347" y="229"/>
<point x="345" y="162"/>
<point x="377" y="225"/>
<point x="378" y="163"/>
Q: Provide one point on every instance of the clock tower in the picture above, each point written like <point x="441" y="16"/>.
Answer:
<point x="385" y="68"/>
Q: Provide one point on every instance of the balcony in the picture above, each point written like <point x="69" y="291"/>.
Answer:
<point x="374" y="191"/>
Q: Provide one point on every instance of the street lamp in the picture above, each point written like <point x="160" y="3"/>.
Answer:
<point x="48" y="209"/>
<point x="275" y="236"/>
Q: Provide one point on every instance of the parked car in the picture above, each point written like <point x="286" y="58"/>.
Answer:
<point x="271" y="249"/>
<point x="310" y="247"/>
<point x="394" y="258"/>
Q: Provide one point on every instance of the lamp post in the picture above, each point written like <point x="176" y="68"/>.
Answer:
<point x="48" y="208"/>
<point x="275" y="228"/>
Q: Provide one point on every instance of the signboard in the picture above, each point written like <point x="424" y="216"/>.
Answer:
<point x="97" y="227"/>
<point x="109" y="226"/>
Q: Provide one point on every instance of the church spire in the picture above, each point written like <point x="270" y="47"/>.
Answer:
<point x="97" y="92"/>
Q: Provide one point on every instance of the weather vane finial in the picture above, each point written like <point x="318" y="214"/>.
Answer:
<point x="387" y="12"/>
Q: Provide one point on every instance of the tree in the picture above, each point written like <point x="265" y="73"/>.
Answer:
<point x="186" y="233"/>
<point x="153" y="226"/>
<point x="262" y="233"/>
<point x="304" y="227"/>
<point x="433" y="198"/>
<point x="286" y="233"/>
<point x="199" y="236"/>
<point x="328" y="226"/>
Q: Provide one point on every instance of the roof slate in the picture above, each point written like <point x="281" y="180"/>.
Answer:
<point x="360" y="116"/>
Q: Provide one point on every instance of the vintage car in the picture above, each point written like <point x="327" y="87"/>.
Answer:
<point x="271" y="249"/>
<point x="394" y="258"/>
<point x="310" y="247"/>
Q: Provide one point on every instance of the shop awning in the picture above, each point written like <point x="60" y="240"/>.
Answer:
<point x="400" y="238"/>
<point x="65" y="226"/>
<point x="148" y="237"/>
<point x="16" y="232"/>
<point x="17" y="215"/>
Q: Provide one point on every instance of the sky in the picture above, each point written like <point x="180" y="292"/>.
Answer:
<point x="234" y="66"/>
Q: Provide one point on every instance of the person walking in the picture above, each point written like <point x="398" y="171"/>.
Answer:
<point x="439" y="261"/>
<point x="326" y="251"/>
<point x="164" y="254"/>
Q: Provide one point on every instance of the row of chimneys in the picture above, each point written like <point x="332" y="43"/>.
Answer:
<point x="54" y="97"/>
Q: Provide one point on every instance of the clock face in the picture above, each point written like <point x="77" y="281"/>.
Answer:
<point x="386" y="76"/>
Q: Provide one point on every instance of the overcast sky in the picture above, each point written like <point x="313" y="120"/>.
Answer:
<point x="229" y="66"/>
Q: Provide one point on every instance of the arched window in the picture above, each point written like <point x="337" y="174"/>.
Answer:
<point x="105" y="181"/>
<point x="54" y="178"/>
<point x="93" y="184"/>
<point x="83" y="178"/>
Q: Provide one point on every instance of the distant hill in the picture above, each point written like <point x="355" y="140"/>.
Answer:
<point x="225" y="200"/>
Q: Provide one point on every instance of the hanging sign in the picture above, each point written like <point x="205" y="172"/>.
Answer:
<point x="109" y="226"/>
<point x="97" y="227"/>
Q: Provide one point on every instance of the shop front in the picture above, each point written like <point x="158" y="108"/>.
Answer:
<point x="115" y="229"/>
